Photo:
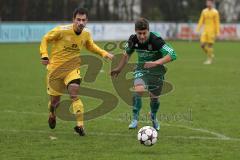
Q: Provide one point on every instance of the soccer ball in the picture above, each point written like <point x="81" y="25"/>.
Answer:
<point x="147" y="136"/>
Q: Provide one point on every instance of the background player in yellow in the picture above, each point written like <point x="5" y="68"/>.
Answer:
<point x="64" y="63"/>
<point x="211" y="27"/>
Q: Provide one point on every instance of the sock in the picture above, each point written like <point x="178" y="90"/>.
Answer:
<point x="154" y="105"/>
<point x="137" y="105"/>
<point x="210" y="52"/>
<point x="78" y="110"/>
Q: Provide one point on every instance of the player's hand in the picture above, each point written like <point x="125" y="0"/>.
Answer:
<point x="45" y="61"/>
<point x="150" y="64"/>
<point x="109" y="56"/>
<point x="114" y="73"/>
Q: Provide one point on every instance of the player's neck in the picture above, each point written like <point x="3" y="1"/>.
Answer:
<point x="77" y="32"/>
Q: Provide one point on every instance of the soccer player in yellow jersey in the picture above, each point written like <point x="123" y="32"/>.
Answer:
<point x="210" y="21"/>
<point x="64" y="64"/>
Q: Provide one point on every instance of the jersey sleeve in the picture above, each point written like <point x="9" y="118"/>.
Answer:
<point x="217" y="23"/>
<point x="168" y="50"/>
<point x="200" y="22"/>
<point x="91" y="46"/>
<point x="53" y="35"/>
<point x="129" y="47"/>
<point x="165" y="48"/>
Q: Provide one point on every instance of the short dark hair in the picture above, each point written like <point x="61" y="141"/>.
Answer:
<point x="81" y="11"/>
<point x="141" y="24"/>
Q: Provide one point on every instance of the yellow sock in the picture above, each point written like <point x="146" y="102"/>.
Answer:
<point x="78" y="110"/>
<point x="209" y="51"/>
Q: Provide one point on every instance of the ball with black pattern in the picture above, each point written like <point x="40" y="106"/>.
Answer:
<point x="147" y="136"/>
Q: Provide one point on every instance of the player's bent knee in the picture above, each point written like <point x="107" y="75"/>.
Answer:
<point x="73" y="86"/>
<point x="73" y="91"/>
<point x="139" y="89"/>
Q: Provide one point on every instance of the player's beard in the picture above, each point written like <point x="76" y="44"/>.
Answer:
<point x="79" y="28"/>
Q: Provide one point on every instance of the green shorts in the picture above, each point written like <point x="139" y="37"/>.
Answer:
<point x="152" y="82"/>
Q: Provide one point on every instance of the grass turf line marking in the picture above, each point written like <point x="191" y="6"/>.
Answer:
<point x="218" y="135"/>
<point x="116" y="135"/>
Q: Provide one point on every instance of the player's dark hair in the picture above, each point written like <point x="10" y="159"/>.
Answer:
<point x="141" y="24"/>
<point x="81" y="11"/>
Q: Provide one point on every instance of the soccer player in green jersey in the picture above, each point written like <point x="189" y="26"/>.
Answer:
<point x="153" y="52"/>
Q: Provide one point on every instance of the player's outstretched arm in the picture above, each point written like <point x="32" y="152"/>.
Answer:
<point x="200" y="23"/>
<point x="50" y="36"/>
<point x="122" y="63"/>
<point x="158" y="62"/>
<point x="94" y="48"/>
<point x="43" y="51"/>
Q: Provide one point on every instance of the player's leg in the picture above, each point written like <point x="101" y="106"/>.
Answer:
<point x="209" y="41"/>
<point x="73" y="81"/>
<point x="139" y="88"/>
<point x="203" y="41"/>
<point x="52" y="105"/>
<point x="77" y="105"/>
<point x="210" y="55"/>
<point x="210" y="51"/>
<point x="204" y="45"/>
<point x="55" y="88"/>
<point x="154" y="105"/>
<point x="155" y="88"/>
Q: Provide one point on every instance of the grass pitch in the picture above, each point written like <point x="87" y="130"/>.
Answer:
<point x="199" y="119"/>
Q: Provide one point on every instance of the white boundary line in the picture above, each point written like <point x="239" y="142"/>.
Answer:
<point x="54" y="133"/>
<point x="218" y="136"/>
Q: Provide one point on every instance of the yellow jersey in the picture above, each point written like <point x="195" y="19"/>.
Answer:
<point x="66" y="46"/>
<point x="210" y="20"/>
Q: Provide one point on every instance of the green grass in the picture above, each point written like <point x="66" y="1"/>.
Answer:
<point x="210" y="92"/>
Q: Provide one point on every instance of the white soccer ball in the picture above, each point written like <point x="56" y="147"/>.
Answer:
<point x="147" y="136"/>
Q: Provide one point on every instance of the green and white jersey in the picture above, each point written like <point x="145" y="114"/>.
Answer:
<point x="153" y="49"/>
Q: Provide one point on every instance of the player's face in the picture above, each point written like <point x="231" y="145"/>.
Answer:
<point x="142" y="35"/>
<point x="80" y="22"/>
<point x="209" y="3"/>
